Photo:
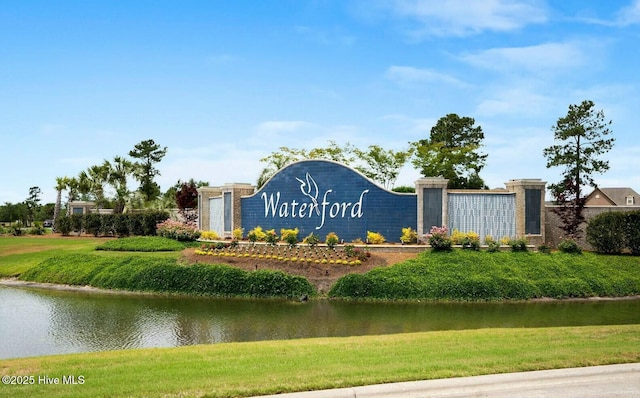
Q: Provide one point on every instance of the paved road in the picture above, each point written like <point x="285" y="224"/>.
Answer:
<point x="611" y="381"/>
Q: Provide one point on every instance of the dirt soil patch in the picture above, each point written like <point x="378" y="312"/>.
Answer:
<point x="322" y="276"/>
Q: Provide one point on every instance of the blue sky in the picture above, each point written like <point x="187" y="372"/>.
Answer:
<point x="224" y="83"/>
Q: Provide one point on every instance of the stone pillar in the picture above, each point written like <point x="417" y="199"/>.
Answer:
<point x="237" y="191"/>
<point x="530" y="209"/>
<point x="204" y="194"/>
<point x="432" y="203"/>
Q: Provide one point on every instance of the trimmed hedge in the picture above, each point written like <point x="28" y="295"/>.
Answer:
<point x="468" y="275"/>
<point x="142" y="244"/>
<point x="139" y="224"/>
<point x="161" y="275"/>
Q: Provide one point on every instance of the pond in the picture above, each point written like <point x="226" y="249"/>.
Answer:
<point x="37" y="322"/>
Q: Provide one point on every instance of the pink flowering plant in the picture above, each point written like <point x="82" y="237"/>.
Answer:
<point x="439" y="239"/>
<point x="177" y="230"/>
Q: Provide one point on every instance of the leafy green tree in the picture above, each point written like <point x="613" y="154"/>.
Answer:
<point x="451" y="151"/>
<point x="149" y="154"/>
<point x="285" y="155"/>
<point x="582" y="136"/>
<point x="382" y="165"/>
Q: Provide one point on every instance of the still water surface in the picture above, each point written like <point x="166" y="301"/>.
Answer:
<point x="40" y="322"/>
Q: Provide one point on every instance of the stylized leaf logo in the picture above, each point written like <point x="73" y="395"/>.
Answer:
<point x="310" y="188"/>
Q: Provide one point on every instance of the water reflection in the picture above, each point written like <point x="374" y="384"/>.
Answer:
<point x="39" y="322"/>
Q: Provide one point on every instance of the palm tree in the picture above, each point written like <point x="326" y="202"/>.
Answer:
<point x="119" y="171"/>
<point x="62" y="183"/>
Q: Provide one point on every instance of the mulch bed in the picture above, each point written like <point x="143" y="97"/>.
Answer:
<point x="322" y="276"/>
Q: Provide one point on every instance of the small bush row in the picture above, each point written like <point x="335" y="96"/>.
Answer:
<point x="141" y="224"/>
<point x="166" y="276"/>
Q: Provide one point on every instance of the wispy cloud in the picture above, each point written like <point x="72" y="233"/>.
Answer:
<point x="408" y="75"/>
<point x="541" y="57"/>
<point x="465" y="18"/>
<point x="629" y="15"/>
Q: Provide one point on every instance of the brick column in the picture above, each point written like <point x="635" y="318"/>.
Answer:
<point x="536" y="188"/>
<point x="204" y="194"/>
<point x="431" y="189"/>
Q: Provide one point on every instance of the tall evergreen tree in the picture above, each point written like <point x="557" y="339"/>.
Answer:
<point x="582" y="136"/>
<point x="149" y="154"/>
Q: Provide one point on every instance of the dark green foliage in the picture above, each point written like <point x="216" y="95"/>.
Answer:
<point x="404" y="189"/>
<point x="121" y="225"/>
<point x="606" y="232"/>
<point x="452" y="151"/>
<point x="63" y="225"/>
<point x="92" y="224"/>
<point x="36" y="229"/>
<point x="518" y="245"/>
<point x="569" y="246"/>
<point x="142" y="244"/>
<point x="632" y="231"/>
<point x="77" y="221"/>
<point x="158" y="274"/>
<point x="470" y="275"/>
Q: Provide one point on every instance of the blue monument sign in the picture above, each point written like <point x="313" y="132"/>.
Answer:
<point x="322" y="196"/>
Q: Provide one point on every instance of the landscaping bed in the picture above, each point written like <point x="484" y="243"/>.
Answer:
<point x="322" y="276"/>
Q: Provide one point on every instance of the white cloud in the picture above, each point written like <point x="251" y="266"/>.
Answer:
<point x="534" y="59"/>
<point x="464" y="18"/>
<point x="629" y="15"/>
<point x="407" y="75"/>
<point x="519" y="101"/>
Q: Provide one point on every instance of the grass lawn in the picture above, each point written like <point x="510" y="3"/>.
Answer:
<point x="244" y="369"/>
<point x="20" y="253"/>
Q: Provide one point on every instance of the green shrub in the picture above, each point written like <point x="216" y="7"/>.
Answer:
<point x="16" y="229"/>
<point x="290" y="236"/>
<point x="121" y="225"/>
<point x="606" y="232"/>
<point x="311" y="240"/>
<point x="569" y="246"/>
<point x="37" y="229"/>
<point x="271" y="237"/>
<point x="63" y="225"/>
<point x="92" y="224"/>
<point x="77" y="221"/>
<point x="632" y="231"/>
<point x="543" y="248"/>
<point x="518" y="245"/>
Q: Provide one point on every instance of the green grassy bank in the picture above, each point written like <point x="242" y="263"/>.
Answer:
<point x="243" y="369"/>
<point x="164" y="275"/>
<point x="470" y="275"/>
<point x="152" y="264"/>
